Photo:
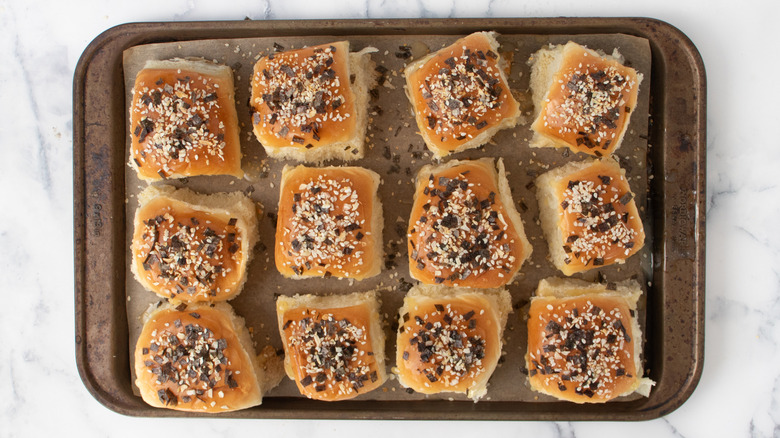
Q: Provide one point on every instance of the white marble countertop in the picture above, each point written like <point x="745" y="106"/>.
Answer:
<point x="41" y="41"/>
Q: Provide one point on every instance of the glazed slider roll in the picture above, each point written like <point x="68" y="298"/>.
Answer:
<point x="464" y="229"/>
<point x="588" y="215"/>
<point x="183" y="120"/>
<point x="584" y="342"/>
<point x="334" y="345"/>
<point x="583" y="99"/>
<point x="449" y="339"/>
<point x="311" y="104"/>
<point x="192" y="247"/>
<point x="329" y="223"/>
<point x="460" y="96"/>
<point x="199" y="358"/>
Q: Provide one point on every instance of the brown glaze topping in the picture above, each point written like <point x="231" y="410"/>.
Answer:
<point x="188" y="255"/>
<point x="585" y="346"/>
<point x="176" y="120"/>
<point x="462" y="231"/>
<point x="460" y="91"/>
<point x="327" y="228"/>
<point x="599" y="227"/>
<point x="445" y="344"/>
<point x="331" y="350"/>
<point x="589" y="103"/>
<point x="188" y="361"/>
<point x="296" y="93"/>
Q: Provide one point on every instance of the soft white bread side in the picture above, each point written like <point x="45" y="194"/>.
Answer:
<point x="544" y="64"/>
<point x="505" y="194"/>
<point x="356" y="317"/>
<point x="349" y="148"/>
<point x="482" y="41"/>
<point x="550" y="215"/>
<point x="477" y="315"/>
<point x="197" y="65"/>
<point x="161" y="200"/>
<point x="603" y="301"/>
<point x="238" y="383"/>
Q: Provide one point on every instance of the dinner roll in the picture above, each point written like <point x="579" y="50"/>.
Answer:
<point x="583" y="99"/>
<point x="193" y="247"/>
<point x="584" y="342"/>
<point x="449" y="339"/>
<point x="183" y="120"/>
<point x="460" y="96"/>
<point x="199" y="358"/>
<point x="311" y="104"/>
<point x="329" y="223"/>
<point x="588" y="215"/>
<point x="334" y="345"/>
<point x="464" y="229"/>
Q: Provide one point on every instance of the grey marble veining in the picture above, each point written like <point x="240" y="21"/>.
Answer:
<point x="40" y="42"/>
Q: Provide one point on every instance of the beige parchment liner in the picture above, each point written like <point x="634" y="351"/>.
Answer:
<point x="396" y="151"/>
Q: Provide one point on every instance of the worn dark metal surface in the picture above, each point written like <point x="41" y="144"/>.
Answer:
<point x="675" y="301"/>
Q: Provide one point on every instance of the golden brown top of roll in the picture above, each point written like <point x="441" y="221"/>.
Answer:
<point x="183" y="121"/>
<point x="190" y="358"/>
<point x="460" y="232"/>
<point x="599" y="222"/>
<point x="188" y="254"/>
<point x="582" y="348"/>
<point x="326" y="223"/>
<point x="589" y="103"/>
<point x="448" y="344"/>
<point x="460" y="92"/>
<point x="330" y="351"/>
<point x="302" y="98"/>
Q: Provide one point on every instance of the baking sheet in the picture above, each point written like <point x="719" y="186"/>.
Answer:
<point x="396" y="152"/>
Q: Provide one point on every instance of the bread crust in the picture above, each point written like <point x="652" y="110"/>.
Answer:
<point x="583" y="99"/>
<point x="588" y="215"/>
<point x="205" y="257"/>
<point x="162" y="376"/>
<point x="481" y="105"/>
<point x="183" y="120"/>
<point x="351" y="325"/>
<point x="466" y="225"/>
<point x="329" y="223"/>
<point x="460" y="364"/>
<point x="333" y="124"/>
<point x="570" y="319"/>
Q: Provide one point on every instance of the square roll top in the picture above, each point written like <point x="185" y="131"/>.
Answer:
<point x="183" y="120"/>
<point x="464" y="229"/>
<point x="311" y="104"/>
<point x="460" y="96"/>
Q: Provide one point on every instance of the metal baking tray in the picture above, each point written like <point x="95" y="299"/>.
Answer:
<point x="674" y="325"/>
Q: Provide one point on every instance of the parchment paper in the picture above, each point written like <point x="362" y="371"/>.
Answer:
<point x="394" y="144"/>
